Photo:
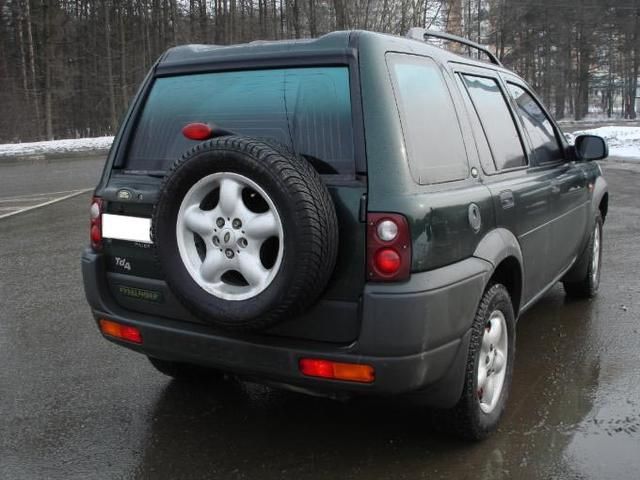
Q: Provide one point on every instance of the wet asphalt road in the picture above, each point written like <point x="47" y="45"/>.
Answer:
<point x="73" y="406"/>
<point x="26" y="183"/>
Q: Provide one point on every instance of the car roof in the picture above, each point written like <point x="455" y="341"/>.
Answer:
<point x="331" y="44"/>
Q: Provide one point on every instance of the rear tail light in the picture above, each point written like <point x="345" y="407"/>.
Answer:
<point x="388" y="247"/>
<point x="351" y="372"/>
<point x="118" y="330"/>
<point x="96" y="223"/>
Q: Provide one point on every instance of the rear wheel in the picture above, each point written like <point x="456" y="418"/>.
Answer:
<point x="489" y="367"/>
<point x="185" y="371"/>
<point x="587" y="287"/>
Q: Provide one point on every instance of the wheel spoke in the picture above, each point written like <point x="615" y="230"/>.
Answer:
<point x="214" y="266"/>
<point x="251" y="269"/>
<point x="482" y="374"/>
<point x="230" y="195"/>
<point x="262" y="226"/>
<point x="495" y="332"/>
<point x="486" y="344"/>
<point x="198" y="221"/>
<point x="489" y="390"/>
<point x="499" y="362"/>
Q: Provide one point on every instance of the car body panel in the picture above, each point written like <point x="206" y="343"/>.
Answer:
<point x="416" y="331"/>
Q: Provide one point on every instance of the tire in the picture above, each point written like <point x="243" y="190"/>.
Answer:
<point x="185" y="371"/>
<point x="475" y="416"/>
<point x="241" y="286"/>
<point x="587" y="287"/>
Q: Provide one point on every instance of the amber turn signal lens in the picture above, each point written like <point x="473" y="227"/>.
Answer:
<point x="117" y="330"/>
<point x="350" y="372"/>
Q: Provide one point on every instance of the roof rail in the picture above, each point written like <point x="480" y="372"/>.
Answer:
<point x="421" y="34"/>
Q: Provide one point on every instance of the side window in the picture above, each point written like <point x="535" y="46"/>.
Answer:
<point x="432" y="134"/>
<point x="545" y="144"/>
<point x="484" y="152"/>
<point x="497" y="122"/>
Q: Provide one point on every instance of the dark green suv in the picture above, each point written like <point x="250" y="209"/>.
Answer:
<point x="356" y="214"/>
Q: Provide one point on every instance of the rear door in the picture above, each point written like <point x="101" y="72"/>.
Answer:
<point x="569" y="186"/>
<point x="310" y="110"/>
<point x="522" y="195"/>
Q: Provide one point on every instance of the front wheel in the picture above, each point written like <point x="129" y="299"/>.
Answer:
<point x="489" y="367"/>
<point x="587" y="287"/>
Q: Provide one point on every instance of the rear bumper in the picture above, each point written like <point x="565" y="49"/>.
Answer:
<point x="415" y="336"/>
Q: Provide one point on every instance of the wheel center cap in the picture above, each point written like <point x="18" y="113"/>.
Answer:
<point x="227" y="238"/>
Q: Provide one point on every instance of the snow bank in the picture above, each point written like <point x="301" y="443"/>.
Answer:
<point x="55" y="146"/>
<point x="623" y="141"/>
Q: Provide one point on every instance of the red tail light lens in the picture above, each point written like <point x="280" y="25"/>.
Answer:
<point x="123" y="332"/>
<point x="388" y="247"/>
<point x="350" y="372"/>
<point x="387" y="261"/>
<point x="197" y="131"/>
<point x="96" y="223"/>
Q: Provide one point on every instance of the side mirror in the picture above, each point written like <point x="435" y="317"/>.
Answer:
<point x="591" y="147"/>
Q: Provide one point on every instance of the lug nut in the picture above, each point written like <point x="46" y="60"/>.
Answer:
<point x="242" y="242"/>
<point x="220" y="222"/>
<point x="216" y="241"/>
<point x="229" y="253"/>
<point x="236" y="223"/>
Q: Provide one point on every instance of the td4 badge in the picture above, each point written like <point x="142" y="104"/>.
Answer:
<point x="122" y="263"/>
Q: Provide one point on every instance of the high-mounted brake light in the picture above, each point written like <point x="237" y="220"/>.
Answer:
<point x="197" y="131"/>
<point x="388" y="247"/>
<point x="96" y="223"/>
<point x="351" y="372"/>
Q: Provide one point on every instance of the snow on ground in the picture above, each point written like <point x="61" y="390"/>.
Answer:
<point x="622" y="141"/>
<point x="55" y="146"/>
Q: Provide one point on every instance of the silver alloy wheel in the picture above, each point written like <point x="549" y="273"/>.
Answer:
<point x="232" y="234"/>
<point x="492" y="364"/>
<point x="595" y="257"/>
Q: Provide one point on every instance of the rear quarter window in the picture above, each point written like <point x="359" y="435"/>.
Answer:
<point x="307" y="109"/>
<point x="432" y="134"/>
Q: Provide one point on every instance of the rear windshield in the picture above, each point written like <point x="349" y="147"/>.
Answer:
<point x="307" y="109"/>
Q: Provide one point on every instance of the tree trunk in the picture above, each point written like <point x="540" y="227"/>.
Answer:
<point x="110" y="83"/>
<point x="341" y="23"/>
<point x="32" y="66"/>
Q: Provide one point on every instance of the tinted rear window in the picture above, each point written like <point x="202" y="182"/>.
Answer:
<point x="307" y="109"/>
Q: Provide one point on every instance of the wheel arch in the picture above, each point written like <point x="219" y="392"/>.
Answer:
<point x="600" y="198"/>
<point x="501" y="248"/>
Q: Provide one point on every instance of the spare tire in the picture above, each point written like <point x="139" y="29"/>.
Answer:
<point x="245" y="232"/>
